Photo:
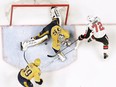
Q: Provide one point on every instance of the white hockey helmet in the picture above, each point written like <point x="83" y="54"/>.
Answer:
<point x="92" y="18"/>
<point x="37" y="62"/>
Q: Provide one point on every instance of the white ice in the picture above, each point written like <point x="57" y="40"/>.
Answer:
<point x="90" y="69"/>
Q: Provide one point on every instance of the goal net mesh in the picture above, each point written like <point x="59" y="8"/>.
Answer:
<point x="20" y="11"/>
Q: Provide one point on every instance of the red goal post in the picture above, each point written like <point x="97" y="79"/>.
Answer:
<point x="39" y="5"/>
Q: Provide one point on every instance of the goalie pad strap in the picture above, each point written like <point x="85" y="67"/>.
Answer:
<point x="38" y="41"/>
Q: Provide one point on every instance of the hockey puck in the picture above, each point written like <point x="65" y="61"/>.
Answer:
<point x="46" y="43"/>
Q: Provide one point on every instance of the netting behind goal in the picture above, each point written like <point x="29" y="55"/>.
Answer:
<point x="35" y="12"/>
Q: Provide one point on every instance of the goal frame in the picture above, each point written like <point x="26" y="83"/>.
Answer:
<point x="38" y="5"/>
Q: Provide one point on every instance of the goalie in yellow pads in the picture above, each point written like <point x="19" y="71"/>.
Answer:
<point x="31" y="71"/>
<point x="59" y="35"/>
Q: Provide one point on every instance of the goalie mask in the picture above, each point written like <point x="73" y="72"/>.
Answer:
<point x="92" y="19"/>
<point x="54" y="13"/>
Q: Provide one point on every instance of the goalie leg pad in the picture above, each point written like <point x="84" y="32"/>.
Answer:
<point x="32" y="42"/>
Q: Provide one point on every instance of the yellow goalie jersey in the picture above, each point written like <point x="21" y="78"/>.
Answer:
<point x="31" y="71"/>
<point x="55" y="31"/>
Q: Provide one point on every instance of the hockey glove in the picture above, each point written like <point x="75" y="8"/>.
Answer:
<point x="66" y="42"/>
<point x="40" y="83"/>
<point x="81" y="37"/>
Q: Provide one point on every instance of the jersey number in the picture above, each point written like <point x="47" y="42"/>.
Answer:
<point x="98" y="26"/>
<point x="27" y="71"/>
<point x="56" y="31"/>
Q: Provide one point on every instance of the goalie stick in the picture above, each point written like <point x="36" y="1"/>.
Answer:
<point x="58" y="57"/>
<point x="62" y="49"/>
<point x="25" y="57"/>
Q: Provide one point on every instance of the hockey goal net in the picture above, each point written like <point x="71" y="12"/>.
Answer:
<point x="36" y="12"/>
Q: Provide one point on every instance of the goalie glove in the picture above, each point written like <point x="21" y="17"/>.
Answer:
<point x="40" y="83"/>
<point x="61" y="38"/>
<point x="66" y="42"/>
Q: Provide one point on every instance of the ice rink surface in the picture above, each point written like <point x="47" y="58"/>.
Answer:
<point x="89" y="69"/>
<point x="13" y="54"/>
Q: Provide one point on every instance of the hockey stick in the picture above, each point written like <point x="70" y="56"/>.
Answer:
<point x="25" y="57"/>
<point x="51" y="62"/>
<point x="58" y="57"/>
<point x="62" y="49"/>
<point x="69" y="51"/>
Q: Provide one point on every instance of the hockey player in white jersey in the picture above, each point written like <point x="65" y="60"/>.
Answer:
<point x="97" y="30"/>
<point x="55" y="31"/>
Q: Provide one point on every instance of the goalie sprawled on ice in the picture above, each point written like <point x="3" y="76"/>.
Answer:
<point x="59" y="35"/>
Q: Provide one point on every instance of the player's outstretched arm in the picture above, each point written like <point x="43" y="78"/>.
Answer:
<point x="83" y="36"/>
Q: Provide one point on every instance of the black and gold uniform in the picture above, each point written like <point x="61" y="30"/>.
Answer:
<point x="53" y="30"/>
<point x="31" y="71"/>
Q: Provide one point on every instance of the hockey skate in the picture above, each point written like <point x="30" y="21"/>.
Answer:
<point x="23" y="46"/>
<point x="62" y="57"/>
<point x="105" y="55"/>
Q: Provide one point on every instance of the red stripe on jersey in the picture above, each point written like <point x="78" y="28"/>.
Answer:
<point x="92" y="37"/>
<point x="105" y="47"/>
<point x="85" y="35"/>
